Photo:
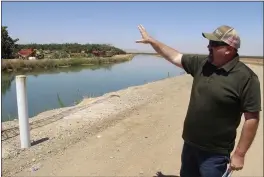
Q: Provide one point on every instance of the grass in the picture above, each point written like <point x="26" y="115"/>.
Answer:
<point x="16" y="65"/>
<point x="77" y="101"/>
<point x="60" y="101"/>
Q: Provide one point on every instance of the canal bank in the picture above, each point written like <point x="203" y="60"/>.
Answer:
<point x="19" y="65"/>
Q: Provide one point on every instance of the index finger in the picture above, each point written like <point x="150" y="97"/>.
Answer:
<point x="141" y="28"/>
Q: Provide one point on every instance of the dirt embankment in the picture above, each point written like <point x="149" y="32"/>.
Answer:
<point x="53" y="131"/>
<point x="256" y="61"/>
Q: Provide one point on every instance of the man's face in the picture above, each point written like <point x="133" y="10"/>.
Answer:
<point x="217" y="51"/>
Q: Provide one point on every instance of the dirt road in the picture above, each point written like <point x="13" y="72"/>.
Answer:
<point x="145" y="140"/>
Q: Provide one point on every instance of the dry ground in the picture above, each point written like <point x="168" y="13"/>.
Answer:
<point x="257" y="61"/>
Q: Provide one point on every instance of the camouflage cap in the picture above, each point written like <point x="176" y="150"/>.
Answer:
<point x="225" y="34"/>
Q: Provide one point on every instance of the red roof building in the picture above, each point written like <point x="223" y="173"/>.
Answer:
<point x="26" y="52"/>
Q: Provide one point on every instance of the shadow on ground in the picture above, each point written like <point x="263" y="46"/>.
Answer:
<point x="160" y="174"/>
<point x="39" y="141"/>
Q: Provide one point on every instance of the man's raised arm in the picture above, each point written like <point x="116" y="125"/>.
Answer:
<point x="167" y="52"/>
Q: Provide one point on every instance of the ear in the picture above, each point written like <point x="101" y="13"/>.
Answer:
<point x="231" y="49"/>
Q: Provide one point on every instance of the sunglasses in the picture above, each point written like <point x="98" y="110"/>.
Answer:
<point x="217" y="43"/>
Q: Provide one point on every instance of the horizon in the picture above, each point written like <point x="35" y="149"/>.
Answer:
<point x="176" y="24"/>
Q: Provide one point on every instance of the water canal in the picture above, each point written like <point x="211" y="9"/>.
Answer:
<point x="50" y="89"/>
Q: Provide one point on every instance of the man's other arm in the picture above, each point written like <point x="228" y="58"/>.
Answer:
<point x="251" y="106"/>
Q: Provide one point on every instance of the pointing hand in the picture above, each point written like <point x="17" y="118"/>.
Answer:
<point x="146" y="39"/>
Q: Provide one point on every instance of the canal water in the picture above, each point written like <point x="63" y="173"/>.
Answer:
<point x="66" y="86"/>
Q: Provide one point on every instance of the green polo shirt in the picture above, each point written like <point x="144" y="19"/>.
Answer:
<point x="219" y="96"/>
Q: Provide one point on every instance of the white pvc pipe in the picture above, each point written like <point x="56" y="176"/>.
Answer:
<point x="22" y="108"/>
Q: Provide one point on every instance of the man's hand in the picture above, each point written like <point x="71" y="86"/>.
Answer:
<point x="146" y="39"/>
<point x="237" y="162"/>
<point x="247" y="136"/>
<point x="165" y="51"/>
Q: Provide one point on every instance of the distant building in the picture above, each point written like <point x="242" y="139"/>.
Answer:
<point x="98" y="53"/>
<point x="26" y="54"/>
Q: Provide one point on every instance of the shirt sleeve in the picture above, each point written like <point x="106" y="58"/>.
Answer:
<point x="251" y="95"/>
<point x="192" y="63"/>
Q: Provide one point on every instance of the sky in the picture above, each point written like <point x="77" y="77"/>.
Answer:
<point x="177" y="24"/>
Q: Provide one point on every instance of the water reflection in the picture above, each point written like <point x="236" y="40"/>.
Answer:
<point x="7" y="78"/>
<point x="6" y="83"/>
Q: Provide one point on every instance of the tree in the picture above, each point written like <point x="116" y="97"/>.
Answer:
<point x="8" y="44"/>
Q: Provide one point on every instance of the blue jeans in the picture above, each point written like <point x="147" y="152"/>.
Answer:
<point x="199" y="163"/>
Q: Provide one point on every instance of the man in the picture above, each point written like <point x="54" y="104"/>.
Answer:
<point x="223" y="89"/>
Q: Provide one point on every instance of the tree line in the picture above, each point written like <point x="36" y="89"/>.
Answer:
<point x="10" y="47"/>
<point x="71" y="47"/>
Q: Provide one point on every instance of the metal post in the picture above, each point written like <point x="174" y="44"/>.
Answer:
<point x="22" y="107"/>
